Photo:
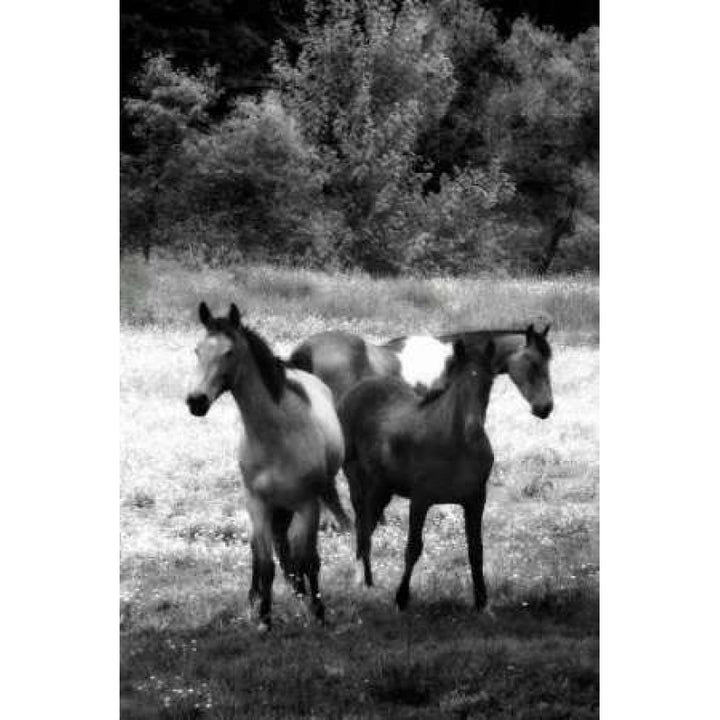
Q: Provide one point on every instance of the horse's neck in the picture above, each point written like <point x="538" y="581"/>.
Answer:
<point x="505" y="346"/>
<point x="450" y="413"/>
<point x="261" y="415"/>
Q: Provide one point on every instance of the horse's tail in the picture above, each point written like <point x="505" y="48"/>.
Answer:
<point x="331" y="500"/>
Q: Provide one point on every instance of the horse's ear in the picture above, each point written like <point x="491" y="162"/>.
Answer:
<point x="204" y="314"/>
<point x="490" y="350"/>
<point x="546" y="330"/>
<point x="459" y="350"/>
<point x="234" y="316"/>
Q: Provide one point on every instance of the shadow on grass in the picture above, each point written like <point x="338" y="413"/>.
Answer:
<point x="441" y="659"/>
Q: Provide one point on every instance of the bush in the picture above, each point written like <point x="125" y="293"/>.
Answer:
<point x="256" y="176"/>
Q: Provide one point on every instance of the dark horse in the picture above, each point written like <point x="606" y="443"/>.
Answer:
<point x="341" y="360"/>
<point x="290" y="451"/>
<point x="431" y="450"/>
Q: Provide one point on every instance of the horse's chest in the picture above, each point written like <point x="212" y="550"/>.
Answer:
<point x="440" y="475"/>
<point x="450" y="480"/>
<point x="282" y="475"/>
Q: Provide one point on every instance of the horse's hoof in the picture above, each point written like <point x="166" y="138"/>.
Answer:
<point x="263" y="627"/>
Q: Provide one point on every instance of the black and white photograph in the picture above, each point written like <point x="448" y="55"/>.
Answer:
<point x="359" y="335"/>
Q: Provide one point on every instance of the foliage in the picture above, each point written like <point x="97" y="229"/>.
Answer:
<point x="366" y="81"/>
<point x="171" y="109"/>
<point x="255" y="173"/>
<point x="543" y="122"/>
<point x="531" y="102"/>
<point x="407" y="137"/>
<point x="458" y="221"/>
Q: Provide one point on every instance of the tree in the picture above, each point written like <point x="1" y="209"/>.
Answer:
<point x="255" y="175"/>
<point x="543" y="125"/>
<point x="171" y="108"/>
<point x="367" y="80"/>
<point x="531" y="103"/>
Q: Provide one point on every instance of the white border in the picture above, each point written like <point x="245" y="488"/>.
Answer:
<point x="60" y="65"/>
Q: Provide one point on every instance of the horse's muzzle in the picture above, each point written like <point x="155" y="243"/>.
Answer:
<point x="198" y="404"/>
<point x="542" y="411"/>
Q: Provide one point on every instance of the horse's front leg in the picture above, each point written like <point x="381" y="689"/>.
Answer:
<point x="473" y="533"/>
<point x="263" y="564"/>
<point x="280" y="523"/>
<point x="418" y="512"/>
<point x="305" y="561"/>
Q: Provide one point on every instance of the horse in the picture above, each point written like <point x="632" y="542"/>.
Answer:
<point x="342" y="359"/>
<point x="431" y="450"/>
<point x="291" y="449"/>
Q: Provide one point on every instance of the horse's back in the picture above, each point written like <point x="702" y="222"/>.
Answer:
<point x="322" y="414"/>
<point x="370" y="407"/>
<point x="382" y="361"/>
<point x="338" y="358"/>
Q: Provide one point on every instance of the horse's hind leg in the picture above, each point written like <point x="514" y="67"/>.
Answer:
<point x="355" y="480"/>
<point x="418" y="512"/>
<point x="263" y="565"/>
<point x="473" y="533"/>
<point x="374" y="503"/>
<point x="281" y="519"/>
<point x="305" y="560"/>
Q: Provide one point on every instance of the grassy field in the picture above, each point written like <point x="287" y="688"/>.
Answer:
<point x="188" y="647"/>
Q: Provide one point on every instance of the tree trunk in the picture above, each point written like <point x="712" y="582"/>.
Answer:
<point x="561" y="228"/>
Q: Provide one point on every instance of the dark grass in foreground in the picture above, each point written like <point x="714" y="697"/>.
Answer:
<point x="287" y="303"/>
<point x="190" y="649"/>
<point x="439" y="661"/>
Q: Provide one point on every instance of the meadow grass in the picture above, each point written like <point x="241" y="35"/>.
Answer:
<point x="294" y="303"/>
<point x="188" y="646"/>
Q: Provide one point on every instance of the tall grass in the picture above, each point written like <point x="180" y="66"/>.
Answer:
<point x="293" y="303"/>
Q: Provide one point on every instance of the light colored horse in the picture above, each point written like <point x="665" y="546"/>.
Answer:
<point x="290" y="451"/>
<point x="431" y="450"/>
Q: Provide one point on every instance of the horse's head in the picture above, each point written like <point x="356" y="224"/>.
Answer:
<point x="529" y="369"/>
<point x="217" y="355"/>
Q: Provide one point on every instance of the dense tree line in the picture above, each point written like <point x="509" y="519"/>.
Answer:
<point x="391" y="134"/>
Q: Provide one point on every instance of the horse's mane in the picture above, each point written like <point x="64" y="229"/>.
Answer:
<point x="432" y="395"/>
<point x="435" y="393"/>
<point x="271" y="367"/>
